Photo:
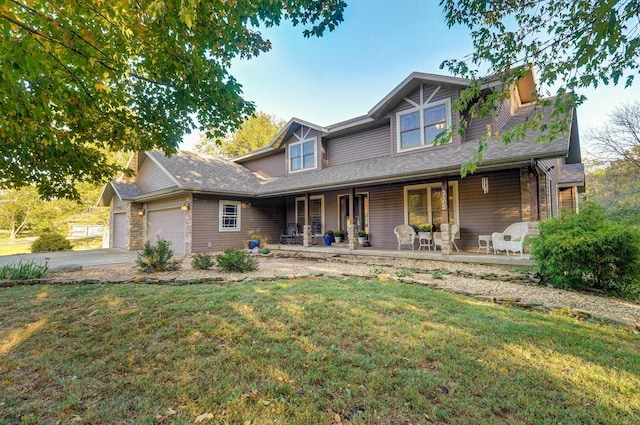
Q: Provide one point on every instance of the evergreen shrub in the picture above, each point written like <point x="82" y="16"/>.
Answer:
<point x="202" y="261"/>
<point x="589" y="251"/>
<point x="233" y="260"/>
<point x="50" y="241"/>
<point x="157" y="258"/>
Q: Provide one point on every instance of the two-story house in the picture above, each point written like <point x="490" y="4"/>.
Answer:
<point x="373" y="172"/>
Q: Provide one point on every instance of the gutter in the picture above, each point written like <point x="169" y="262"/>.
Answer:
<point x="534" y="166"/>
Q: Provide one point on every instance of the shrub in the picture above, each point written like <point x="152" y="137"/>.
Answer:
<point x="589" y="251"/>
<point x="402" y="272"/>
<point x="22" y="270"/>
<point x="50" y="242"/>
<point x="202" y="262"/>
<point x="265" y="251"/>
<point x="157" y="258"/>
<point x="233" y="260"/>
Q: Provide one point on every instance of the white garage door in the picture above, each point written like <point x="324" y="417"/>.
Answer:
<point x="119" y="230"/>
<point x="169" y="225"/>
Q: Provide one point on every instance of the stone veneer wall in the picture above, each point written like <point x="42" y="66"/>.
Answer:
<point x="525" y="194"/>
<point x="136" y="227"/>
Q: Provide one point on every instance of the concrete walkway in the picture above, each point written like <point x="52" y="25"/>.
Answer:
<point x="90" y="257"/>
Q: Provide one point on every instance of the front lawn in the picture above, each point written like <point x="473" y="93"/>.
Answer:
<point x="318" y="351"/>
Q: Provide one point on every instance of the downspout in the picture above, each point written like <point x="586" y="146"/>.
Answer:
<point x="534" y="167"/>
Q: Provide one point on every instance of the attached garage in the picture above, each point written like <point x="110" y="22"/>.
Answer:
<point x="119" y="230"/>
<point x="168" y="224"/>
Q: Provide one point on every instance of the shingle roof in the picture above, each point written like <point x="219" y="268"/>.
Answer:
<point x="571" y="174"/>
<point x="196" y="172"/>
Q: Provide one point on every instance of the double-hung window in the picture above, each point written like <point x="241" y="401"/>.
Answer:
<point x="419" y="126"/>
<point x="302" y="155"/>
<point x="229" y="216"/>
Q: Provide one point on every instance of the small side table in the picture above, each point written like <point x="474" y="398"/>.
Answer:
<point x="484" y="241"/>
<point x="425" y="241"/>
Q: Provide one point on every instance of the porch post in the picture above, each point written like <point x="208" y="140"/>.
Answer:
<point x="306" y="228"/>
<point x="445" y="228"/>
<point x="352" y="229"/>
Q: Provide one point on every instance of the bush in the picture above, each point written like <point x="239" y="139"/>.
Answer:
<point x="265" y="251"/>
<point x="588" y="251"/>
<point x="202" y="262"/>
<point x="50" y="242"/>
<point x="157" y="258"/>
<point x="22" y="270"/>
<point x="233" y="260"/>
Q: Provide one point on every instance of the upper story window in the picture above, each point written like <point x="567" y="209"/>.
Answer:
<point x="302" y="155"/>
<point x="419" y="126"/>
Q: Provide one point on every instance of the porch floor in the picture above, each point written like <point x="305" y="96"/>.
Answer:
<point x="342" y="249"/>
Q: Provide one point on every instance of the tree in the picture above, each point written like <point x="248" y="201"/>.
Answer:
<point x="619" y="141"/>
<point x="614" y="179"/>
<point x="254" y="133"/>
<point x="16" y="209"/>
<point x="570" y="44"/>
<point x="79" y="77"/>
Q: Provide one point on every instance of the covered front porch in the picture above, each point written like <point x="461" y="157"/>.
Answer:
<point x="342" y="249"/>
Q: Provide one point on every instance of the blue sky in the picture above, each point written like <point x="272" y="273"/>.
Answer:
<point x="345" y="73"/>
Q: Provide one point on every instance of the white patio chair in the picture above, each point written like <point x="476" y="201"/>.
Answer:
<point x="405" y="235"/>
<point x="512" y="239"/>
<point x="437" y="238"/>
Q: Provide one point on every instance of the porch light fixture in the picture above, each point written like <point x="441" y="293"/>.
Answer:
<point x="485" y="185"/>
<point x="141" y="212"/>
<point x="185" y="207"/>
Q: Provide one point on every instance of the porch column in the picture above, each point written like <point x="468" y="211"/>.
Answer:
<point x="525" y="197"/>
<point x="352" y="229"/>
<point x="306" y="228"/>
<point x="445" y="228"/>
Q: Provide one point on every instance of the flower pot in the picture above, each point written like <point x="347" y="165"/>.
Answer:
<point x="338" y="239"/>
<point x="254" y="244"/>
<point x="328" y="239"/>
<point x="361" y="240"/>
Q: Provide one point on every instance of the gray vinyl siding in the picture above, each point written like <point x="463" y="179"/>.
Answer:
<point x="264" y="218"/>
<point x="443" y="93"/>
<point x="368" y="144"/>
<point x="386" y="211"/>
<point x="483" y="214"/>
<point x="271" y="166"/>
<point x="151" y="177"/>
<point x="478" y="128"/>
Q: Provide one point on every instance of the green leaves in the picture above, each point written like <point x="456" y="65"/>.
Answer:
<point x="81" y="78"/>
<point x="570" y="44"/>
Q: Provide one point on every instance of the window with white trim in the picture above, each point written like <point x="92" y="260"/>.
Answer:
<point x="418" y="127"/>
<point x="423" y="204"/>
<point x="302" y="155"/>
<point x="229" y="218"/>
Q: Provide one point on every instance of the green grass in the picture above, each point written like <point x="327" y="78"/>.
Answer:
<point x="302" y="352"/>
<point x="25" y="247"/>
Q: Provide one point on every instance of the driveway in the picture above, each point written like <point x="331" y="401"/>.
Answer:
<point x="90" y="257"/>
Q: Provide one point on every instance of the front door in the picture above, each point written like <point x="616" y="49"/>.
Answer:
<point x="361" y="214"/>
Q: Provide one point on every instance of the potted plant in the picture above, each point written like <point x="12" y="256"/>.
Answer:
<point x="424" y="228"/>
<point x="328" y="237"/>
<point x="338" y="235"/>
<point x="361" y="236"/>
<point x="254" y="242"/>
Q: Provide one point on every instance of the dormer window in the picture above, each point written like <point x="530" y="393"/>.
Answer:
<point x="419" y="126"/>
<point x="302" y="155"/>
